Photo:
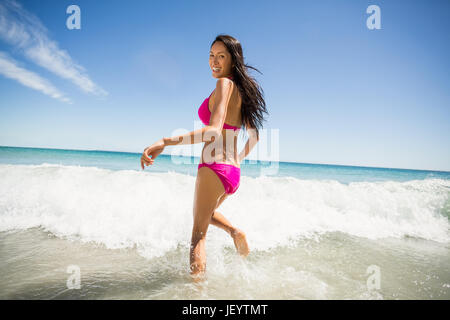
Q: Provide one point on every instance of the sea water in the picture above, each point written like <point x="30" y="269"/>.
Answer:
<point x="314" y="231"/>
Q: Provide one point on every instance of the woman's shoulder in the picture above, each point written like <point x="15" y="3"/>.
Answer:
<point x="225" y="84"/>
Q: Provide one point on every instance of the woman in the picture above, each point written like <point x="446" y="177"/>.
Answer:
<point x="236" y="100"/>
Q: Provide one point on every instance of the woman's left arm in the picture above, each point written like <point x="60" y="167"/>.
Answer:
<point x="224" y="89"/>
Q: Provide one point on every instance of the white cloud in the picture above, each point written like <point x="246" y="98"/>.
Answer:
<point x="10" y="69"/>
<point x="25" y="31"/>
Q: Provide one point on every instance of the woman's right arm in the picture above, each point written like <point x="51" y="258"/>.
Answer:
<point x="253" y="139"/>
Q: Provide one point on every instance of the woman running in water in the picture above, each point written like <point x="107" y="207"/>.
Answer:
<point x="237" y="102"/>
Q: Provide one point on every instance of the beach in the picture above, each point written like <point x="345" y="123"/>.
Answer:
<point x="314" y="231"/>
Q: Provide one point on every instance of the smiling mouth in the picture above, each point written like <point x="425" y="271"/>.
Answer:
<point x="216" y="69"/>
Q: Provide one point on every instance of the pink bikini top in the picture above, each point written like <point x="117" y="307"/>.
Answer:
<point x="204" y="114"/>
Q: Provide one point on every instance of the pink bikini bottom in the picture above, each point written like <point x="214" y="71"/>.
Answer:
<point x="227" y="173"/>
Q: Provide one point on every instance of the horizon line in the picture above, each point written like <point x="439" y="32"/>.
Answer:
<point x="327" y="164"/>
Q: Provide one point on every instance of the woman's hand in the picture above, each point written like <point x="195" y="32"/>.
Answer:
<point x="154" y="150"/>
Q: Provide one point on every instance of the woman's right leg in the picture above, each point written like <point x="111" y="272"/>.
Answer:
<point x="218" y="220"/>
<point x="221" y="222"/>
<point x="240" y="241"/>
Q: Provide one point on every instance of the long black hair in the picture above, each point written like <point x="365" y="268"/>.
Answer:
<point x="253" y="104"/>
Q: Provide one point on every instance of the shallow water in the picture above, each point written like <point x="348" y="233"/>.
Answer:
<point x="34" y="265"/>
<point x="315" y="232"/>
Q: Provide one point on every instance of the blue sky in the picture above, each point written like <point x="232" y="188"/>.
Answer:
<point x="338" y="92"/>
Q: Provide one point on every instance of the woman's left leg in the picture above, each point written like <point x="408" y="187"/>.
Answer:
<point x="208" y="190"/>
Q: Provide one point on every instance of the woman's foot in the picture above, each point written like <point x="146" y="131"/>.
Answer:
<point x="240" y="242"/>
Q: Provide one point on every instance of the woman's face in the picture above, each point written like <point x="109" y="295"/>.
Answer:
<point x="220" y="60"/>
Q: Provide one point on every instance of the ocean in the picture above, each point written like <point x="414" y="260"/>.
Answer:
<point x="80" y="224"/>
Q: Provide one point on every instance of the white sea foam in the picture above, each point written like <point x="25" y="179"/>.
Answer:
<point x="153" y="211"/>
